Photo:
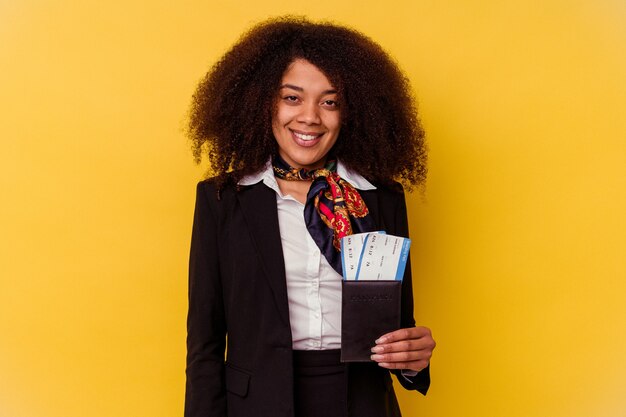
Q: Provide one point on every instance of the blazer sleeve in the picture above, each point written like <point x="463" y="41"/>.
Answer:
<point x="205" y="393"/>
<point x="421" y="381"/>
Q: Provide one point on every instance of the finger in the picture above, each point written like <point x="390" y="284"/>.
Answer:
<point x="413" y="366"/>
<point x="406" y="345"/>
<point x="402" y="357"/>
<point x="403" y="334"/>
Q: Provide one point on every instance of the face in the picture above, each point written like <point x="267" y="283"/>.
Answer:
<point x="307" y="118"/>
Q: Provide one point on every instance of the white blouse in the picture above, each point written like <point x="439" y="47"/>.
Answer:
<point x="313" y="286"/>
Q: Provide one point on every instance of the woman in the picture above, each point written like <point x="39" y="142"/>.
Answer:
<point x="295" y="112"/>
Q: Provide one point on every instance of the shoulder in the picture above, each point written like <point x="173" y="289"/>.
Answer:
<point x="222" y="193"/>
<point x="216" y="189"/>
<point x="215" y="201"/>
<point x="392" y="190"/>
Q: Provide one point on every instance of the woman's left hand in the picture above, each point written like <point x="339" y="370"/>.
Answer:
<point x="409" y="348"/>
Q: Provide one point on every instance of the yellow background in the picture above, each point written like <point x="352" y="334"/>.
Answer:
<point x="519" y="242"/>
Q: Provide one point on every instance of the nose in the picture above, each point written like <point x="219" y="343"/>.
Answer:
<point x="309" y="114"/>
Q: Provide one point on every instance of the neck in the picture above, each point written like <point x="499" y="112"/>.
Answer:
<point x="284" y="171"/>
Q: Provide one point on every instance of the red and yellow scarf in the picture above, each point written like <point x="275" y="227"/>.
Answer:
<point x="333" y="209"/>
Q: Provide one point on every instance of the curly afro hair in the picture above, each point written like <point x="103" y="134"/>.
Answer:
<point x="231" y="112"/>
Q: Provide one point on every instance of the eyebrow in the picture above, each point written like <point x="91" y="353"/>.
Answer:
<point x="300" y="89"/>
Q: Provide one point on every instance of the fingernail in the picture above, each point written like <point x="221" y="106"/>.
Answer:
<point x="376" y="357"/>
<point x="378" y="349"/>
<point x="383" y="364"/>
<point x="381" y="340"/>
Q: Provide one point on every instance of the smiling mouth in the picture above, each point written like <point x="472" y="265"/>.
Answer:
<point x="306" y="137"/>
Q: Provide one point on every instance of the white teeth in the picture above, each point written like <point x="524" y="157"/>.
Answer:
<point x="305" y="137"/>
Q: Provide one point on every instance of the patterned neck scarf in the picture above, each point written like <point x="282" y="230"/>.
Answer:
<point x="333" y="208"/>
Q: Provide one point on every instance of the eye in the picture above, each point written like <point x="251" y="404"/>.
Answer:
<point x="330" y="103"/>
<point x="291" y="99"/>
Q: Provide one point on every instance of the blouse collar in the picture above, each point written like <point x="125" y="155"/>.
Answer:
<point x="266" y="174"/>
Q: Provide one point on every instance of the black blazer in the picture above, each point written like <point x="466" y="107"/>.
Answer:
<point x="238" y="301"/>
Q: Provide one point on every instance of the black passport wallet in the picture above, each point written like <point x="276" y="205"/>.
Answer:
<point x="369" y="309"/>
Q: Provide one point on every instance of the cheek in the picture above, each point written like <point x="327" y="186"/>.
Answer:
<point x="335" y="123"/>
<point x="276" y="119"/>
<point x="282" y="115"/>
<point x="276" y="116"/>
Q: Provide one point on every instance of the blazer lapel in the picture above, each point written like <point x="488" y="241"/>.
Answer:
<point x="258" y="204"/>
<point x="371" y="201"/>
